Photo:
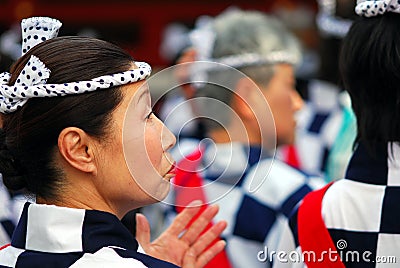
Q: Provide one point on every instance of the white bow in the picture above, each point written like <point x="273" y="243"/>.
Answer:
<point x="372" y="8"/>
<point x="38" y="29"/>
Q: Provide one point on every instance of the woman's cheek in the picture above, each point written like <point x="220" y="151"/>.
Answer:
<point x="153" y="147"/>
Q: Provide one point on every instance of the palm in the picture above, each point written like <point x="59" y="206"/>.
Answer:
<point x="182" y="245"/>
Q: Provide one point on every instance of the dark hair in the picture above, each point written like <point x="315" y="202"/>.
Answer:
<point x="369" y="65"/>
<point x="30" y="134"/>
<point x="5" y="62"/>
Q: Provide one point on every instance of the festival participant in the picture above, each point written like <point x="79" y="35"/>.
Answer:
<point x="79" y="134"/>
<point x="246" y="89"/>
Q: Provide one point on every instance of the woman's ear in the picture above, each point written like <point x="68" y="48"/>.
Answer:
<point x="77" y="149"/>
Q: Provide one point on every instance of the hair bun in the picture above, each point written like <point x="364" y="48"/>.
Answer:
<point x="10" y="169"/>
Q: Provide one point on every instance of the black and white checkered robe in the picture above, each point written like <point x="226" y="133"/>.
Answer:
<point x="51" y="236"/>
<point x="361" y="212"/>
<point x="255" y="215"/>
<point x="318" y="126"/>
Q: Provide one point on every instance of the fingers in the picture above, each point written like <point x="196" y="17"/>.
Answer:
<point x="183" y="218"/>
<point x="199" y="224"/>
<point x="196" y="255"/>
<point x="191" y="260"/>
<point x="210" y="253"/>
<point x="142" y="231"/>
<point x="209" y="237"/>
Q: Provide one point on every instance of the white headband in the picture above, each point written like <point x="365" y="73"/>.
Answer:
<point x="250" y="59"/>
<point x="203" y="38"/>
<point x="31" y="82"/>
<point x="378" y="7"/>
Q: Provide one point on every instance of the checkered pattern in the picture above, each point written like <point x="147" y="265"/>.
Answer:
<point x="362" y="209"/>
<point x="255" y="193"/>
<point x="6" y="224"/>
<point x="50" y="236"/>
<point x="319" y="123"/>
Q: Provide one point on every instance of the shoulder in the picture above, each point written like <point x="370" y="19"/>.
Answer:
<point x="106" y="257"/>
<point x="9" y="256"/>
<point x="275" y="174"/>
<point x="276" y="183"/>
<point x="353" y="205"/>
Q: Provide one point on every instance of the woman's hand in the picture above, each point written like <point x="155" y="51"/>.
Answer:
<point x="185" y="247"/>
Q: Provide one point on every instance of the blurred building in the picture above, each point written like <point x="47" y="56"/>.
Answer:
<point x="135" y="25"/>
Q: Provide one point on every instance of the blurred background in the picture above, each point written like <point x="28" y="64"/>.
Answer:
<point x="141" y="27"/>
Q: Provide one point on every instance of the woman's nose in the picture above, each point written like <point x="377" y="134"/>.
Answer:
<point x="297" y="101"/>
<point x="168" y="139"/>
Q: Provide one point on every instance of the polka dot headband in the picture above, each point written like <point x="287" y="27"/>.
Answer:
<point x="375" y="8"/>
<point x="38" y="29"/>
<point x="31" y="82"/>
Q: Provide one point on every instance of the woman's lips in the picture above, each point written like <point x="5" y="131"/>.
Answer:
<point x="171" y="172"/>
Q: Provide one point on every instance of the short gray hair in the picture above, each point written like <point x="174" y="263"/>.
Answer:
<point x="239" y="32"/>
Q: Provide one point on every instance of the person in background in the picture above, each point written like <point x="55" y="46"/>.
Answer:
<point x="356" y="218"/>
<point x="327" y="125"/>
<point x="171" y="100"/>
<point x="79" y="135"/>
<point x="247" y="98"/>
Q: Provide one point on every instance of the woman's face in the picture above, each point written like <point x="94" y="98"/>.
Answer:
<point x="284" y="101"/>
<point x="137" y="168"/>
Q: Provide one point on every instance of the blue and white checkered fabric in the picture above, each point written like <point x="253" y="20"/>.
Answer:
<point x="255" y="218"/>
<point x="320" y="129"/>
<point x="51" y="236"/>
<point x="362" y="211"/>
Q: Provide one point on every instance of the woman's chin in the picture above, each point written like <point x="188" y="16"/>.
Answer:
<point x="161" y="193"/>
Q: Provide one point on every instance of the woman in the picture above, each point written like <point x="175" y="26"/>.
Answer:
<point x="80" y="136"/>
